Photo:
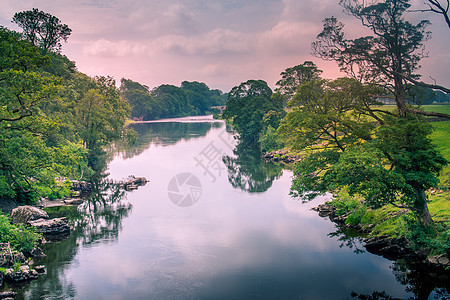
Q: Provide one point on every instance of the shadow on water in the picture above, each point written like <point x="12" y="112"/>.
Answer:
<point x="248" y="171"/>
<point x="416" y="279"/>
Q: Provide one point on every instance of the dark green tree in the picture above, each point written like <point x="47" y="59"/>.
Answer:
<point x="42" y="29"/>
<point x="247" y="105"/>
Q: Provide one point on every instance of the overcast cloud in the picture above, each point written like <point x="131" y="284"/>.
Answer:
<point x="221" y="43"/>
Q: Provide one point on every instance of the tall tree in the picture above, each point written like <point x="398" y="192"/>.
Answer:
<point x="42" y="29"/>
<point x="389" y="57"/>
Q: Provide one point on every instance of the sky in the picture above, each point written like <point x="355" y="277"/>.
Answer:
<point x="219" y="42"/>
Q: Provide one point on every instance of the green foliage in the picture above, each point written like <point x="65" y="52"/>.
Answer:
<point x="16" y="267"/>
<point x="293" y="77"/>
<point x="52" y="119"/>
<point x="270" y="140"/>
<point x="42" y="29"/>
<point x="336" y="125"/>
<point x="20" y="237"/>
<point x="388" y="56"/>
<point x="436" y="238"/>
<point x="192" y="98"/>
<point x="251" y="107"/>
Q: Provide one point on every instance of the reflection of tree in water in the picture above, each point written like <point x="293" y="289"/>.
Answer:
<point x="420" y="282"/>
<point x="415" y="279"/>
<point x="163" y="134"/>
<point x="103" y="213"/>
<point x="248" y="171"/>
<point x="98" y="220"/>
<point x="348" y="238"/>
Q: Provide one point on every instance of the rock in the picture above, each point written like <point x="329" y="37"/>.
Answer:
<point x="131" y="187"/>
<point x="7" y="294"/>
<point x="37" y="253"/>
<point x="52" y="229"/>
<point x="8" y="256"/>
<point x="23" y="274"/>
<point x="40" y="269"/>
<point x="81" y="186"/>
<point x="281" y="156"/>
<point x="439" y="261"/>
<point x="23" y="214"/>
<point x="135" y="181"/>
<point x="73" y="201"/>
<point x="390" y="248"/>
<point x="324" y="210"/>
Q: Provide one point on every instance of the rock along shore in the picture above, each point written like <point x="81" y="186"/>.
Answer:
<point x="392" y="248"/>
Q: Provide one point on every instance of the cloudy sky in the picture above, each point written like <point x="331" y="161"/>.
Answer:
<point x="219" y="42"/>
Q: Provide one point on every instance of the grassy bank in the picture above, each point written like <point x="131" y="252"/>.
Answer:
<point x="400" y="222"/>
<point x="397" y="222"/>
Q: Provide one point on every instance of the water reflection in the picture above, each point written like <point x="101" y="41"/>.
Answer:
<point x="413" y="276"/>
<point x="98" y="220"/>
<point x="248" y="171"/>
<point x="248" y="239"/>
<point x="164" y="134"/>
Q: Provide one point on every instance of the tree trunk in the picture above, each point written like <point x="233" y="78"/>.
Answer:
<point x="422" y="207"/>
<point x="400" y="97"/>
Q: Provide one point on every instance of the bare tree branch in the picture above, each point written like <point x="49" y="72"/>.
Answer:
<point x="436" y="7"/>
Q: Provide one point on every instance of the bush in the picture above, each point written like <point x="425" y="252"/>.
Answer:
<point x="270" y="140"/>
<point x="436" y="238"/>
<point x="20" y="237"/>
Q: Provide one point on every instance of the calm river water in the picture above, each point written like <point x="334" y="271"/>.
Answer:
<point x="210" y="224"/>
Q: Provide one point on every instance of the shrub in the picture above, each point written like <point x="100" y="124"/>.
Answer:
<point x="20" y="237"/>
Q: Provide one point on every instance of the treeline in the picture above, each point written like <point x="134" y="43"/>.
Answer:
<point x="54" y="120"/>
<point x="164" y="101"/>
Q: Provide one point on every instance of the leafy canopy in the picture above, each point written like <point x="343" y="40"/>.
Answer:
<point x="42" y="29"/>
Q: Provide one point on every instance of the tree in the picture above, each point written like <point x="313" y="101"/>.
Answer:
<point x="389" y="57"/>
<point x="348" y="143"/>
<point x="99" y="110"/>
<point x="293" y="77"/>
<point x="42" y="29"/>
<point x="29" y="157"/>
<point x="141" y="102"/>
<point x="247" y="105"/>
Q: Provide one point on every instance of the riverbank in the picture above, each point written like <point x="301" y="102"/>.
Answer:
<point x="392" y="228"/>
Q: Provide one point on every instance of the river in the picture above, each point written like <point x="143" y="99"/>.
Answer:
<point x="211" y="223"/>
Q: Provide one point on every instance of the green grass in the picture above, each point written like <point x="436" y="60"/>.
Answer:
<point x="437" y="108"/>
<point x="440" y="199"/>
<point x="441" y="137"/>
<point x="434" y="108"/>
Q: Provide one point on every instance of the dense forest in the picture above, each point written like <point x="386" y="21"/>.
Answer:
<point x="192" y="98"/>
<point x="53" y="119"/>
